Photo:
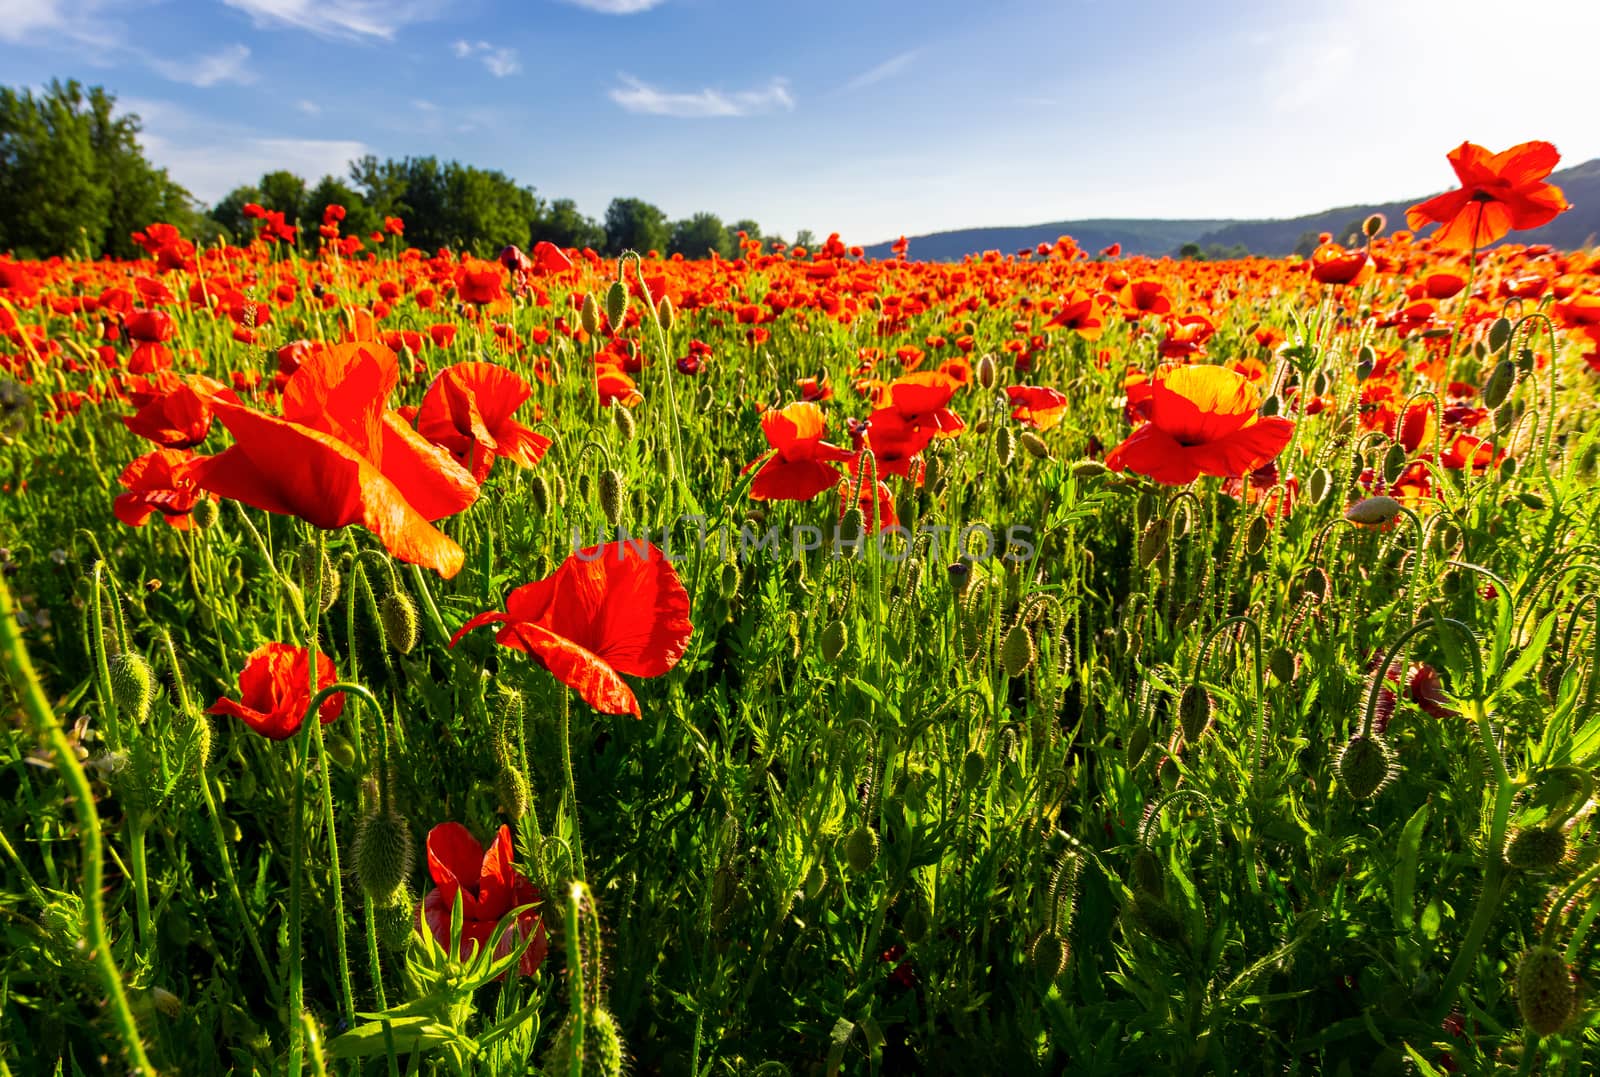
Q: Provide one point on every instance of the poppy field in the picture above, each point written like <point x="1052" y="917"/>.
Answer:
<point x="804" y="664"/>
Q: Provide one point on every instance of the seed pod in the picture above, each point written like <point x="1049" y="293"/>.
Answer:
<point x="511" y="787"/>
<point x="665" y="314"/>
<point x="601" y="1053"/>
<point x="1544" y="990"/>
<point x="1372" y="511"/>
<point x="1017" y="652"/>
<point x="1194" y="712"/>
<point x="589" y="315"/>
<point x="1537" y="848"/>
<point x="625" y="422"/>
<point x="205" y="514"/>
<point x="1005" y="445"/>
<point x="382" y="854"/>
<point x="611" y="488"/>
<point x="1499" y="333"/>
<point x="834" y="638"/>
<point x="1499" y="384"/>
<point x="616" y="304"/>
<point x="401" y="624"/>
<point x="133" y="685"/>
<point x="340" y="750"/>
<point x="861" y="848"/>
<point x="1366" y="765"/>
<point x="1154" y="541"/>
<point x="1034" y="444"/>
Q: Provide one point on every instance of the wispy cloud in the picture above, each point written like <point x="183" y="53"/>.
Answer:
<point x="500" y="62"/>
<point x="641" y="97"/>
<point x="310" y="108"/>
<point x="891" y="67"/>
<point x="617" y="7"/>
<point x="62" y="23"/>
<point x="336" y="18"/>
<point x="231" y="64"/>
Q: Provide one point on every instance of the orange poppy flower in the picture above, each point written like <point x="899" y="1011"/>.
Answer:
<point x="467" y="411"/>
<point x="802" y="467"/>
<point x="1203" y="421"/>
<point x="1499" y="192"/>
<point x="607" y="610"/>
<point x="1080" y="313"/>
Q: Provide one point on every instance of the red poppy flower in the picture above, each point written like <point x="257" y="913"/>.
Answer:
<point x="178" y="417"/>
<point x="1080" y="312"/>
<point x="550" y="258"/>
<point x="276" y="689"/>
<point x="149" y="326"/>
<point x="1499" y="192"/>
<point x="339" y="456"/>
<point x="1333" y="264"/>
<point x="1037" y="406"/>
<point x="467" y="411"/>
<point x="923" y="400"/>
<point x="1203" y="421"/>
<point x="802" y="467"/>
<point x="489" y="888"/>
<point x="607" y="610"/>
<point x="162" y="481"/>
<point x="480" y="282"/>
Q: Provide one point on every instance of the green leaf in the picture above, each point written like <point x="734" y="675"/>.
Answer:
<point x="1405" y="880"/>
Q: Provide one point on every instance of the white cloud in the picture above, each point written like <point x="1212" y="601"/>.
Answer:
<point x="231" y="64"/>
<point x="310" y="108"/>
<point x="640" y="97"/>
<point x="616" y="7"/>
<point x="499" y="61"/>
<point x="886" y="70"/>
<point x="337" y="18"/>
<point x="21" y="19"/>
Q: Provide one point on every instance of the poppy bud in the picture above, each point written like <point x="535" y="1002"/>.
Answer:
<point x="915" y="924"/>
<point x="1319" y="484"/>
<point x="340" y="750"/>
<point x="511" y="786"/>
<point x="833" y="640"/>
<point x="728" y="582"/>
<point x="1373" y="510"/>
<point x="1138" y="744"/>
<point x="616" y="304"/>
<point x="1498" y="387"/>
<point x="933" y="468"/>
<point x="1147" y="875"/>
<point x="306" y="568"/>
<point x="133" y="685"/>
<point x="665" y="314"/>
<point x="1035" y="445"/>
<point x="539" y="490"/>
<point x="861" y="848"/>
<point x="982" y="426"/>
<point x="1017" y="653"/>
<point x="1005" y="445"/>
<point x="1255" y="536"/>
<point x="1194" y="712"/>
<point x="1282" y="664"/>
<point x="625" y="422"/>
<point x="200" y="730"/>
<point x="401" y="625"/>
<point x="1374" y="225"/>
<point x="1537" y="848"/>
<point x="204" y="514"/>
<point x="1366" y="765"/>
<point x="1088" y="469"/>
<point x="1154" y="917"/>
<point x="1048" y="957"/>
<point x="987" y="371"/>
<point x="1394" y="462"/>
<point x="1544" y="990"/>
<point x="382" y="854"/>
<point x="1154" y="541"/>
<point x="611" y="495"/>
<point x="589" y="315"/>
<point x="1499" y="333"/>
<point x="601" y="1052"/>
<point x="973" y="768"/>
<point x="396" y="919"/>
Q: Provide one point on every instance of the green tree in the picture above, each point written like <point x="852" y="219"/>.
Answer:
<point x="805" y="238"/>
<point x="563" y="225"/>
<point x="359" y="219"/>
<point x="284" y="192"/>
<point x="636" y="225"/>
<point x="228" y="213"/>
<point x="449" y="205"/>
<point x="73" y="175"/>
<point x="695" y="237"/>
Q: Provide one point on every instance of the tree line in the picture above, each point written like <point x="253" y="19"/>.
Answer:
<point x="74" y="180"/>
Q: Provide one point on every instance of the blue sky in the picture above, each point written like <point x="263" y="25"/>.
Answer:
<point x="868" y="117"/>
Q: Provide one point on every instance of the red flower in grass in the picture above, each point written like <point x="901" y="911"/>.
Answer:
<point x="480" y="282"/>
<point x="489" y="888"/>
<point x="802" y="467"/>
<point x="1499" y="192"/>
<point x="162" y="481"/>
<point x="607" y="610"/>
<point x="339" y="456"/>
<point x="178" y="417"/>
<point x="276" y="689"/>
<point x="467" y="411"/>
<point x="1203" y="421"/>
<point x="1037" y="406"/>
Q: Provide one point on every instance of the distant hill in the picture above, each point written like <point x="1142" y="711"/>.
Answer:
<point x="1578" y="227"/>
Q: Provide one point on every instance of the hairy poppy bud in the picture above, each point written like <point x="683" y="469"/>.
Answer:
<point x="307" y="568"/>
<point x="1017" y="653"/>
<point x="133" y="685"/>
<point x="1194" y="712"/>
<point x="1499" y="333"/>
<point x="728" y="581"/>
<point x="973" y="768"/>
<point x="396" y="919"/>
<point x="616" y="304"/>
<point x="665" y="313"/>
<point x="1005" y="445"/>
<point x="1374" y="225"/>
<point x="1537" y="848"/>
<point x="1154" y="917"/>
<point x="601" y="1053"/>
<point x="1373" y="510"/>
<point x="1318" y="486"/>
<point x="539" y="491"/>
<point x="611" y="495"/>
<point x="1255" y="536"/>
<point x="1282" y="664"/>
<point x="382" y="854"/>
<point x="1048" y="957"/>
<point x="1498" y="387"/>
<point x="1088" y="469"/>
<point x="1035" y="445"/>
<point x="1153" y="543"/>
<point x="915" y="924"/>
<point x="511" y="786"/>
<point x="861" y="848"/>
<point x="1147" y="875"/>
<point x="1544" y="990"/>
<point x="401" y="624"/>
<point x="987" y="371"/>
<point x="833" y="640"/>
<point x="589" y="315"/>
<point x="625" y="422"/>
<point x="204" y="515"/>
<point x="1366" y="765"/>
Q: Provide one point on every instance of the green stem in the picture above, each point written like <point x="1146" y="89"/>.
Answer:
<point x="138" y="826"/>
<point x="232" y="881"/>
<point x="571" y="789"/>
<point x="19" y="670"/>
